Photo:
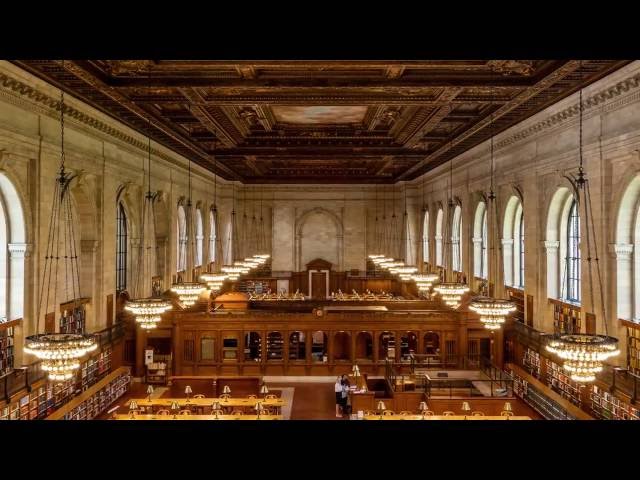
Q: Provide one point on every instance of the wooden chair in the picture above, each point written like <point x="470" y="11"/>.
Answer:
<point x="405" y="412"/>
<point x="270" y="397"/>
<point x="388" y="412"/>
<point x="428" y="413"/>
<point x="219" y="412"/>
<point x="237" y="411"/>
<point x="163" y="412"/>
<point x="477" y="414"/>
<point x="448" y="413"/>
<point x="199" y="396"/>
<point x="369" y="412"/>
<point x="185" y="412"/>
<point x="504" y="413"/>
<point x="225" y="395"/>
<point x="253" y="397"/>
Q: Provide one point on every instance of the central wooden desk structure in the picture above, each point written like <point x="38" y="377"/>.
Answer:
<point x="442" y="417"/>
<point x="197" y="417"/>
<point x="203" y="403"/>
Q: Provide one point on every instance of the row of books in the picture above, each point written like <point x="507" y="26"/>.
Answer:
<point x="100" y="401"/>
<point x="607" y="406"/>
<point x="6" y="350"/>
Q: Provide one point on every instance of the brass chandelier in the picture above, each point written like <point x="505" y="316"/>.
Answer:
<point x="493" y="311"/>
<point x="583" y="354"/>
<point x="147" y="310"/>
<point x="60" y="353"/>
<point x="451" y="292"/>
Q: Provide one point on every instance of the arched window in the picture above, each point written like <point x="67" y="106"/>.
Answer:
<point x="563" y="247"/>
<point x="122" y="241"/>
<point x="199" y="238"/>
<point x="438" y="238"/>
<point x="12" y="252"/>
<point x="425" y="237"/>
<point x="456" y="244"/>
<point x="480" y="255"/>
<point x="213" y="219"/>
<point x="182" y="240"/>
<point x="513" y="243"/>
<point x="573" y="254"/>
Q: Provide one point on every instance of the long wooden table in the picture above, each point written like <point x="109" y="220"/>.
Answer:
<point x="442" y="417"/>
<point x="277" y="403"/>
<point x="197" y="417"/>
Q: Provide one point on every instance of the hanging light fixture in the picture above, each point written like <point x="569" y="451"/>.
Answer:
<point x="233" y="270"/>
<point x="60" y="353"/>
<point x="214" y="280"/>
<point x="583" y="353"/>
<point x="493" y="311"/>
<point x="188" y="292"/>
<point x="146" y="310"/>
<point x="451" y="291"/>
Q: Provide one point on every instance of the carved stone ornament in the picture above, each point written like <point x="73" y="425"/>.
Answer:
<point x="119" y="67"/>
<point x="508" y="67"/>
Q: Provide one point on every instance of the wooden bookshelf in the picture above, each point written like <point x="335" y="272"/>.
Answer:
<point x="517" y="297"/>
<point x="633" y="347"/>
<point x="274" y="346"/>
<point x="531" y="362"/>
<point x="160" y="370"/>
<point x="566" y="317"/>
<point x="95" y="400"/>
<point x="73" y="316"/>
<point x="609" y="407"/>
<point x="7" y="338"/>
<point x="561" y="383"/>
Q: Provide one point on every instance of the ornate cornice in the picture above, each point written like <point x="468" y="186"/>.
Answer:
<point x="551" y="244"/>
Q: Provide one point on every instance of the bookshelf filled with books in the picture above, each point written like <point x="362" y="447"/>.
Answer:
<point x="158" y="371"/>
<point x="562" y="383"/>
<point x="7" y="337"/>
<point x="609" y="407"/>
<point x="96" y="399"/>
<point x="566" y="317"/>
<point x="531" y="362"/>
<point x="73" y="314"/>
<point x="517" y="297"/>
<point x="633" y="347"/>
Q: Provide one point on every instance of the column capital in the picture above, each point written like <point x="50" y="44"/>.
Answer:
<point x="551" y="244"/>
<point x="476" y="240"/>
<point x="19" y="250"/>
<point x="622" y="250"/>
<point x="509" y="241"/>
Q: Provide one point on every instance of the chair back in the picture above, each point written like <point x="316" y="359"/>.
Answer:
<point x="164" y="412"/>
<point x="448" y="413"/>
<point x="369" y="412"/>
<point x="504" y="413"/>
<point x="185" y="412"/>
<point x="225" y="396"/>
<point x="388" y="412"/>
<point x="405" y="412"/>
<point x="271" y="397"/>
<point x="199" y="396"/>
<point x="477" y="414"/>
<point x="253" y="397"/>
<point x="237" y="412"/>
<point x="428" y="413"/>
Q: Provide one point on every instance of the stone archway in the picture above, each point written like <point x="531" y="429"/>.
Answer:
<point x="319" y="234"/>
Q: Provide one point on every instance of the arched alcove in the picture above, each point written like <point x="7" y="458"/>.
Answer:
<point x="319" y="234"/>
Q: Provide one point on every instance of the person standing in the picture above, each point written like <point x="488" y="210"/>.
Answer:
<point x="338" y="387"/>
<point x="345" y="395"/>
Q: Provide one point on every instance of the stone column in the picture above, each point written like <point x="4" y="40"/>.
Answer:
<point x="477" y="256"/>
<point x="552" y="247"/>
<point x="626" y="299"/>
<point x="16" y="273"/>
<point x="89" y="283"/>
<point x="507" y="259"/>
<point x="439" y="247"/>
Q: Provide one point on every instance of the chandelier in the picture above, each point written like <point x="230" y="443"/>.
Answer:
<point x="584" y="354"/>
<point x="187" y="292"/>
<point x="60" y="353"/>
<point x="146" y="309"/>
<point x="492" y="311"/>
<point x="214" y="281"/>
<point x="424" y="281"/>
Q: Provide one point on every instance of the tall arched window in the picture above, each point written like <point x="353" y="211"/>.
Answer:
<point x="563" y="247"/>
<point x="480" y="238"/>
<point x="456" y="244"/>
<point x="12" y="252"/>
<point x="438" y="237"/>
<point x="573" y="254"/>
<point x="627" y="258"/>
<point x="122" y="241"/>
<point x="199" y="238"/>
<point x="513" y="243"/>
<point x="425" y="237"/>
<point x="212" y="235"/>
<point x="181" y="236"/>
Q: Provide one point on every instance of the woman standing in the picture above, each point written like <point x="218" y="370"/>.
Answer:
<point x="338" y="390"/>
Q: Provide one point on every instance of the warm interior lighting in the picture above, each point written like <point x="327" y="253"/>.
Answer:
<point x="148" y="311"/>
<point x="492" y="311"/>
<point x="583" y="354"/>
<point x="60" y="353"/>
<point x="451" y="293"/>
<point x="188" y="292"/>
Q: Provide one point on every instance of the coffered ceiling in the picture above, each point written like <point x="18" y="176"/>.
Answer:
<point x="320" y="121"/>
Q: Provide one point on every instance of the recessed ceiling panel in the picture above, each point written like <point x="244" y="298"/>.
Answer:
<point x="326" y="114"/>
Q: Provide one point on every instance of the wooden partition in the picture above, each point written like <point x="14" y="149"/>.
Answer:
<point x="212" y="386"/>
<point x="488" y="406"/>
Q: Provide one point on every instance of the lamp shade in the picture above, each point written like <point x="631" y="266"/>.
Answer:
<point x="226" y="389"/>
<point x="507" y="407"/>
<point x="258" y="407"/>
<point x="188" y="390"/>
<point x="150" y="389"/>
<point x="356" y="370"/>
<point x="175" y="406"/>
<point x="381" y="405"/>
<point x="263" y="389"/>
<point x="423" y="406"/>
<point x="465" y="407"/>
<point x="215" y="405"/>
<point x="133" y="405"/>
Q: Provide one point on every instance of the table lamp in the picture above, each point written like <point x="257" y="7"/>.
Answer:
<point x="188" y="391"/>
<point x="423" y="408"/>
<point x="381" y="407"/>
<point x="264" y="390"/>
<point x="216" y="407"/>
<point x="175" y="408"/>
<point x="133" y="406"/>
<point x="149" y="391"/>
<point x="226" y="390"/>
<point x="356" y="370"/>
<point x="465" y="408"/>
<point x="258" y="408"/>
<point x="506" y="408"/>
